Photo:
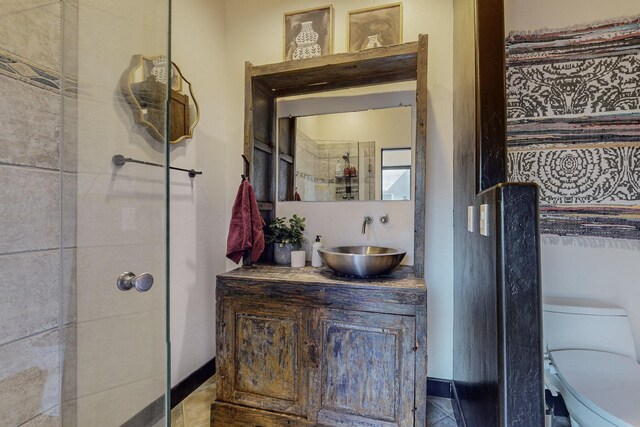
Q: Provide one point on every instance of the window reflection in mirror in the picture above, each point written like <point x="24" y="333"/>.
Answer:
<point x="352" y="156"/>
<point x="396" y="173"/>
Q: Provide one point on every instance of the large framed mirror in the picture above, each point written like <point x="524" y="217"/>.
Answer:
<point x="270" y="134"/>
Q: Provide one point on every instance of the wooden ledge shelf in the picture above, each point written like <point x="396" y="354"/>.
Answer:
<point x="339" y="71"/>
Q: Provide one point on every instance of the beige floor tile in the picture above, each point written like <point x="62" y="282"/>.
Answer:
<point x="211" y="382"/>
<point x="177" y="416"/>
<point x="197" y="407"/>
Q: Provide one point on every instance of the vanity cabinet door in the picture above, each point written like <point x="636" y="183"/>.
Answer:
<point x="367" y="369"/>
<point x="261" y="357"/>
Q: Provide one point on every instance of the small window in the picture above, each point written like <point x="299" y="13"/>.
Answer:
<point x="396" y="174"/>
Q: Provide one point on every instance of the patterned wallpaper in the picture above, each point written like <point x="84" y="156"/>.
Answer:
<point x="573" y="108"/>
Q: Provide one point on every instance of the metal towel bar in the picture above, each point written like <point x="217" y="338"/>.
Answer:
<point x="120" y="160"/>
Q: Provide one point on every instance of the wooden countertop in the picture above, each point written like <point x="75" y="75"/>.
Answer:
<point x="402" y="278"/>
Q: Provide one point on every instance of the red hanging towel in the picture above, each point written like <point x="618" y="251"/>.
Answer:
<point x="246" y="226"/>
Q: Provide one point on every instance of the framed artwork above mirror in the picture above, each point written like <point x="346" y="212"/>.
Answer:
<point x="374" y="27"/>
<point x="144" y="85"/>
<point x="308" y="33"/>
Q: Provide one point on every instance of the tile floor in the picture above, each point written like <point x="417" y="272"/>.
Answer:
<point x="557" y="421"/>
<point x="440" y="412"/>
<point x="195" y="410"/>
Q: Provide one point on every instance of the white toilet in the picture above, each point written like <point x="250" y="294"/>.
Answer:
<point x="592" y="361"/>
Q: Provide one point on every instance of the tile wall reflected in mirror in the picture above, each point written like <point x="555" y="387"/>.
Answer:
<point x="341" y="156"/>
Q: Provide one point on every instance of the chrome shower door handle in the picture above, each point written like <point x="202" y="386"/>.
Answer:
<point x="128" y="280"/>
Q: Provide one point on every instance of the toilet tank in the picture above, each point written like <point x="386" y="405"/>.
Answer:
<point x="575" y="323"/>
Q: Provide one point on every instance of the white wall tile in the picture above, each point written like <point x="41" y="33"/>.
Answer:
<point x="51" y="418"/>
<point x="115" y="351"/>
<point x="98" y="409"/>
<point x="31" y="30"/>
<point x="29" y="209"/>
<point x="30" y="302"/>
<point x="29" y="377"/>
<point x="30" y="131"/>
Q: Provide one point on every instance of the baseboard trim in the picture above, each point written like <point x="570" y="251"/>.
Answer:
<point x="154" y="411"/>
<point x="438" y="387"/>
<point x="188" y="385"/>
<point x="457" y="410"/>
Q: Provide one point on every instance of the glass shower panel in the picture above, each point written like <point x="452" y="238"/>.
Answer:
<point x="114" y="220"/>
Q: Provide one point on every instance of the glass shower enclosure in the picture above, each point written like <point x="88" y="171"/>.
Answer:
<point x="114" y="245"/>
<point x="83" y="241"/>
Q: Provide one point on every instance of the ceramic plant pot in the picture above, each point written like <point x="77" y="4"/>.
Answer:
<point x="282" y="254"/>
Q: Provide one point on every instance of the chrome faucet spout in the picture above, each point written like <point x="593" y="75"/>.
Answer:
<point x="367" y="220"/>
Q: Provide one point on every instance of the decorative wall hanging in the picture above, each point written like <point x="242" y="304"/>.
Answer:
<point x="308" y="33"/>
<point x="144" y="85"/>
<point x="573" y="108"/>
<point x="375" y="27"/>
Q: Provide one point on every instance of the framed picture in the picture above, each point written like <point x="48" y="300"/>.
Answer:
<point x="157" y="66"/>
<point x="308" y="33"/>
<point x="375" y="27"/>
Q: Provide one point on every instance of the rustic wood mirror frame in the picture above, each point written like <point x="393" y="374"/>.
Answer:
<point x="264" y="84"/>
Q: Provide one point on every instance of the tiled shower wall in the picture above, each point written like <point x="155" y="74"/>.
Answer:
<point x="315" y="178"/>
<point x="61" y="207"/>
<point x="30" y="212"/>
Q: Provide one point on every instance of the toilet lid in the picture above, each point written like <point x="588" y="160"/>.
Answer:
<point x="607" y="383"/>
<point x="582" y="306"/>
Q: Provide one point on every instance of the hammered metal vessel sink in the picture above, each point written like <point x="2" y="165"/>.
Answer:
<point x="361" y="261"/>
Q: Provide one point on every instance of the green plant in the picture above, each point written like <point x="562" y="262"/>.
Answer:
<point x="284" y="232"/>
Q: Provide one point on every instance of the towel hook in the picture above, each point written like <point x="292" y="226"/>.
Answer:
<point x="247" y="165"/>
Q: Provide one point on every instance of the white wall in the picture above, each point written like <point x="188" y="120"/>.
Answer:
<point x="389" y="127"/>
<point x="605" y="269"/>
<point x="198" y="206"/>
<point x="254" y="32"/>
<point x="523" y="15"/>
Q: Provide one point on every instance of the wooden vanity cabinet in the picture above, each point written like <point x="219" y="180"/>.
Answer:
<point x="296" y="347"/>
<point x="267" y="364"/>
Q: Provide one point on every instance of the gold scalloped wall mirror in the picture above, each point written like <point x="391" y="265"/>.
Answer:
<point x="144" y="85"/>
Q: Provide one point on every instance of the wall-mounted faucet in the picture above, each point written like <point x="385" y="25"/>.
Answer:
<point x="367" y="220"/>
<point x="384" y="219"/>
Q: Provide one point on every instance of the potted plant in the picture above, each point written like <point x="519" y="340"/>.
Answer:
<point x="287" y="236"/>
